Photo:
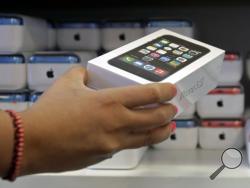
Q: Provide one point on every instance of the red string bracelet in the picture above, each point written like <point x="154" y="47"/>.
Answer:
<point x="18" y="149"/>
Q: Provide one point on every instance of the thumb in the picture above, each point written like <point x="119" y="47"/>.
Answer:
<point x="77" y="74"/>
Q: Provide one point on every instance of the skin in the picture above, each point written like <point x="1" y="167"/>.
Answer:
<point x="71" y="126"/>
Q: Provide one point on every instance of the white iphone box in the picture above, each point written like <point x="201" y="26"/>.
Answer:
<point x="247" y="139"/>
<point x="116" y="34"/>
<point x="22" y="33"/>
<point x="184" y="137"/>
<point x="45" y="67"/>
<point x="188" y="113"/>
<point x="13" y="74"/>
<point x="164" y="56"/>
<point x="183" y="27"/>
<point x="232" y="69"/>
<point x="221" y="133"/>
<point x="17" y="101"/>
<point x="78" y="36"/>
<point x="123" y="160"/>
<point x="222" y="102"/>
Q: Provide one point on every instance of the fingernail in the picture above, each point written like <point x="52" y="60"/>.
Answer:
<point x="175" y="90"/>
<point x="173" y="126"/>
<point x="176" y="109"/>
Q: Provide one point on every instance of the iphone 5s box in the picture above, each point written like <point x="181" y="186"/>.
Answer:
<point x="22" y="33"/>
<point x="13" y="100"/>
<point x="163" y="56"/>
<point x="45" y="67"/>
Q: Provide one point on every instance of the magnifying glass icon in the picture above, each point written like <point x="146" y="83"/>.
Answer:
<point x="231" y="158"/>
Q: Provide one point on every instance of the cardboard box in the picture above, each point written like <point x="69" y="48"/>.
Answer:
<point x="195" y="70"/>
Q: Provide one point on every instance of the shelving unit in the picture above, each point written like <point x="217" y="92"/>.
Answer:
<point x="224" y="25"/>
<point x="159" y="168"/>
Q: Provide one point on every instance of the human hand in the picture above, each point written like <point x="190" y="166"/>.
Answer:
<point x="71" y="126"/>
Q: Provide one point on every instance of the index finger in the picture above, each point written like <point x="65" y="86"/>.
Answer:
<point x="139" y="95"/>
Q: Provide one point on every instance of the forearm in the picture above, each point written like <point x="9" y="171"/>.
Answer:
<point x="6" y="142"/>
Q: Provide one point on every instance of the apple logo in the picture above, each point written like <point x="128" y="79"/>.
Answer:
<point x="173" y="137"/>
<point x="222" y="136"/>
<point x="122" y="36"/>
<point x="50" y="73"/>
<point x="77" y="37"/>
<point x="220" y="103"/>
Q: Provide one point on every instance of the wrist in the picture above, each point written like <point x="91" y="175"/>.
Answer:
<point x="29" y="162"/>
<point x="6" y="142"/>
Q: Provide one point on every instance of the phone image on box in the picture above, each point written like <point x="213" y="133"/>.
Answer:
<point x="159" y="58"/>
<point x="227" y="123"/>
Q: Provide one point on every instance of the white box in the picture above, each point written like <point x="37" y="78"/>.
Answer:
<point x="232" y="69"/>
<point x="188" y="113"/>
<point x="248" y="66"/>
<point x="78" y="36"/>
<point x="51" y="36"/>
<point x="222" y="136"/>
<point x="116" y="34"/>
<point x="22" y="33"/>
<point x="185" y="136"/>
<point x="45" y="67"/>
<point x="183" y="27"/>
<point x="13" y="75"/>
<point x="13" y="101"/>
<point x="223" y="102"/>
<point x="123" y="160"/>
<point x="194" y="80"/>
<point x="247" y="139"/>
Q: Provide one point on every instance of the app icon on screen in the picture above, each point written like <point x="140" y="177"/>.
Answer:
<point x="187" y="56"/>
<point x="165" y="59"/>
<point x="149" y="67"/>
<point x="174" y="63"/>
<point x="184" y="49"/>
<point x="181" y="59"/>
<point x="155" y="55"/>
<point x="177" y="52"/>
<point x="164" y="41"/>
<point x="157" y="45"/>
<point x="160" y="72"/>
<point x="147" y="58"/>
<point x="173" y="45"/>
<point x="167" y="48"/>
<point x="138" y="63"/>
<point x="144" y="51"/>
<point x="128" y="59"/>
<point x="193" y="52"/>
<point x="151" y="48"/>
<point x="162" y="52"/>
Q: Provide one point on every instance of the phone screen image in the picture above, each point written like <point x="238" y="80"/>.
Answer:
<point x="159" y="58"/>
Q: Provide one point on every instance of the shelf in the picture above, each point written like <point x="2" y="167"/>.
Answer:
<point x="171" y="168"/>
